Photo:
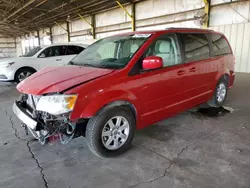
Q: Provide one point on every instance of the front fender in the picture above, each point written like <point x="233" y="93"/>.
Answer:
<point x="89" y="106"/>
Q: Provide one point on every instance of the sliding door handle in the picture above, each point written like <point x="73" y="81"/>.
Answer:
<point x="193" y="69"/>
<point x="181" y="72"/>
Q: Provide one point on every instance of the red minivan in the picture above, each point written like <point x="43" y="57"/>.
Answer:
<point x="126" y="82"/>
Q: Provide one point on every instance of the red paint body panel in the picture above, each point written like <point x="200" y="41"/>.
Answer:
<point x="155" y="95"/>
<point x="57" y="79"/>
<point x="152" y="62"/>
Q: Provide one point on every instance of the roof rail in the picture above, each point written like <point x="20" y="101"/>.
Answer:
<point x="185" y="28"/>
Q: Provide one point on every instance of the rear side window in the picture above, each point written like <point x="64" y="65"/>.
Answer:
<point x="219" y="45"/>
<point x="72" y="50"/>
<point x="196" y="47"/>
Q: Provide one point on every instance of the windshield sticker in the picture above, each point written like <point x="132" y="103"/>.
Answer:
<point x="142" y="35"/>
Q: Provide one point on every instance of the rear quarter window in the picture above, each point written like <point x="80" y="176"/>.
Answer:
<point x="219" y="45"/>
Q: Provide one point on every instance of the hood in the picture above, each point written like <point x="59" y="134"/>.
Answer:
<point x="12" y="59"/>
<point x="8" y="60"/>
<point x="58" y="79"/>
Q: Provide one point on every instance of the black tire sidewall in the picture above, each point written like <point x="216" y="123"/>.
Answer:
<point x="215" y="102"/>
<point x="20" y="71"/>
<point x="95" y="127"/>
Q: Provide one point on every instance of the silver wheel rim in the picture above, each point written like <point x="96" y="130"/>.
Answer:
<point x="115" y="132"/>
<point x="23" y="75"/>
<point x="221" y="92"/>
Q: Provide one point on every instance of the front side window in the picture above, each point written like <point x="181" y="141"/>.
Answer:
<point x="219" y="45"/>
<point x="112" y="52"/>
<point x="195" y="46"/>
<point x="54" y="51"/>
<point x="167" y="48"/>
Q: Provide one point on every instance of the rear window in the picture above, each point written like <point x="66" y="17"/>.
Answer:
<point x="196" y="47"/>
<point x="219" y="45"/>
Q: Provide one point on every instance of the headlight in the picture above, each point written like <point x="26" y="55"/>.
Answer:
<point x="9" y="64"/>
<point x="6" y="65"/>
<point x="56" y="104"/>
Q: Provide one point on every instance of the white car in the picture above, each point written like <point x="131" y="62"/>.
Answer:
<point x="18" y="68"/>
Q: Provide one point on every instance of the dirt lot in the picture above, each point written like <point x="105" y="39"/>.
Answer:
<point x="188" y="150"/>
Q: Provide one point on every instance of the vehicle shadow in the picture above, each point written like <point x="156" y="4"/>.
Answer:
<point x="170" y="136"/>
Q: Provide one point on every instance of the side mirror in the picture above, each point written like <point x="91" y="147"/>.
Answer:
<point x="152" y="62"/>
<point x="42" y="55"/>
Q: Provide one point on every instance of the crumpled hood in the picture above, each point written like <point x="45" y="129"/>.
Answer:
<point x="57" y="79"/>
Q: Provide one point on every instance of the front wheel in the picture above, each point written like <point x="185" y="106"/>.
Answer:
<point x="23" y="74"/>
<point x="111" y="132"/>
<point x="220" y="94"/>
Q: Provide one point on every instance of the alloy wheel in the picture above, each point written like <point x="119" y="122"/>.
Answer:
<point x="221" y="92"/>
<point x="115" y="132"/>
<point x="23" y="75"/>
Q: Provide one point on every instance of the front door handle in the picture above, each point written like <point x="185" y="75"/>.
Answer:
<point x="58" y="59"/>
<point x="181" y="72"/>
<point x="193" y="69"/>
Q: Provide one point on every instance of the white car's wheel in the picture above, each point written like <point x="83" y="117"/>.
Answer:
<point x="22" y="74"/>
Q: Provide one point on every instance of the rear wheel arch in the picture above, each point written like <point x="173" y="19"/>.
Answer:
<point x="224" y="77"/>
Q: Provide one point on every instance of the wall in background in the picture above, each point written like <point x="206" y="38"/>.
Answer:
<point x="7" y="47"/>
<point x="231" y="13"/>
<point x="231" y="18"/>
<point x="239" y="38"/>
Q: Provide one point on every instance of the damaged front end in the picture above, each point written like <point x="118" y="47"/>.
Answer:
<point x="47" y="117"/>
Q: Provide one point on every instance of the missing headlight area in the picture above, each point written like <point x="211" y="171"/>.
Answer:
<point x="42" y="125"/>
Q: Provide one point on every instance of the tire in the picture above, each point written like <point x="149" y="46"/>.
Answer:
<point x="24" y="73"/>
<point x="218" y="100"/>
<point x="97" y="125"/>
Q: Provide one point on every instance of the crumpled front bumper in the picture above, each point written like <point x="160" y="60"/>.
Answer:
<point x="6" y="74"/>
<point x="24" y="115"/>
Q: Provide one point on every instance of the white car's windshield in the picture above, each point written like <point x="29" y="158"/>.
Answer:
<point x="32" y="51"/>
<point x="112" y="52"/>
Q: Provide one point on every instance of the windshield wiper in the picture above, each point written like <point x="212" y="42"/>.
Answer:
<point x="90" y="65"/>
<point x="85" y="65"/>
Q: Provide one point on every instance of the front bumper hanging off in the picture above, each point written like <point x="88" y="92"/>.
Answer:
<point x="50" y="129"/>
<point x="24" y="116"/>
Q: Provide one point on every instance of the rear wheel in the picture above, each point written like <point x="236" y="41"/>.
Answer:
<point x="22" y="74"/>
<point x="220" y="93"/>
<point x="111" y="132"/>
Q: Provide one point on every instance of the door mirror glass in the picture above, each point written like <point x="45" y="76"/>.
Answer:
<point x="152" y="62"/>
<point x="42" y="55"/>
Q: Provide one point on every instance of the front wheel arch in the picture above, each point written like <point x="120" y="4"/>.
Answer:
<point x="122" y="103"/>
<point x="21" y="68"/>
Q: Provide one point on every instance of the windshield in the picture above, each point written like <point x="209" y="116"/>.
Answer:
<point x="112" y="52"/>
<point x="32" y="51"/>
